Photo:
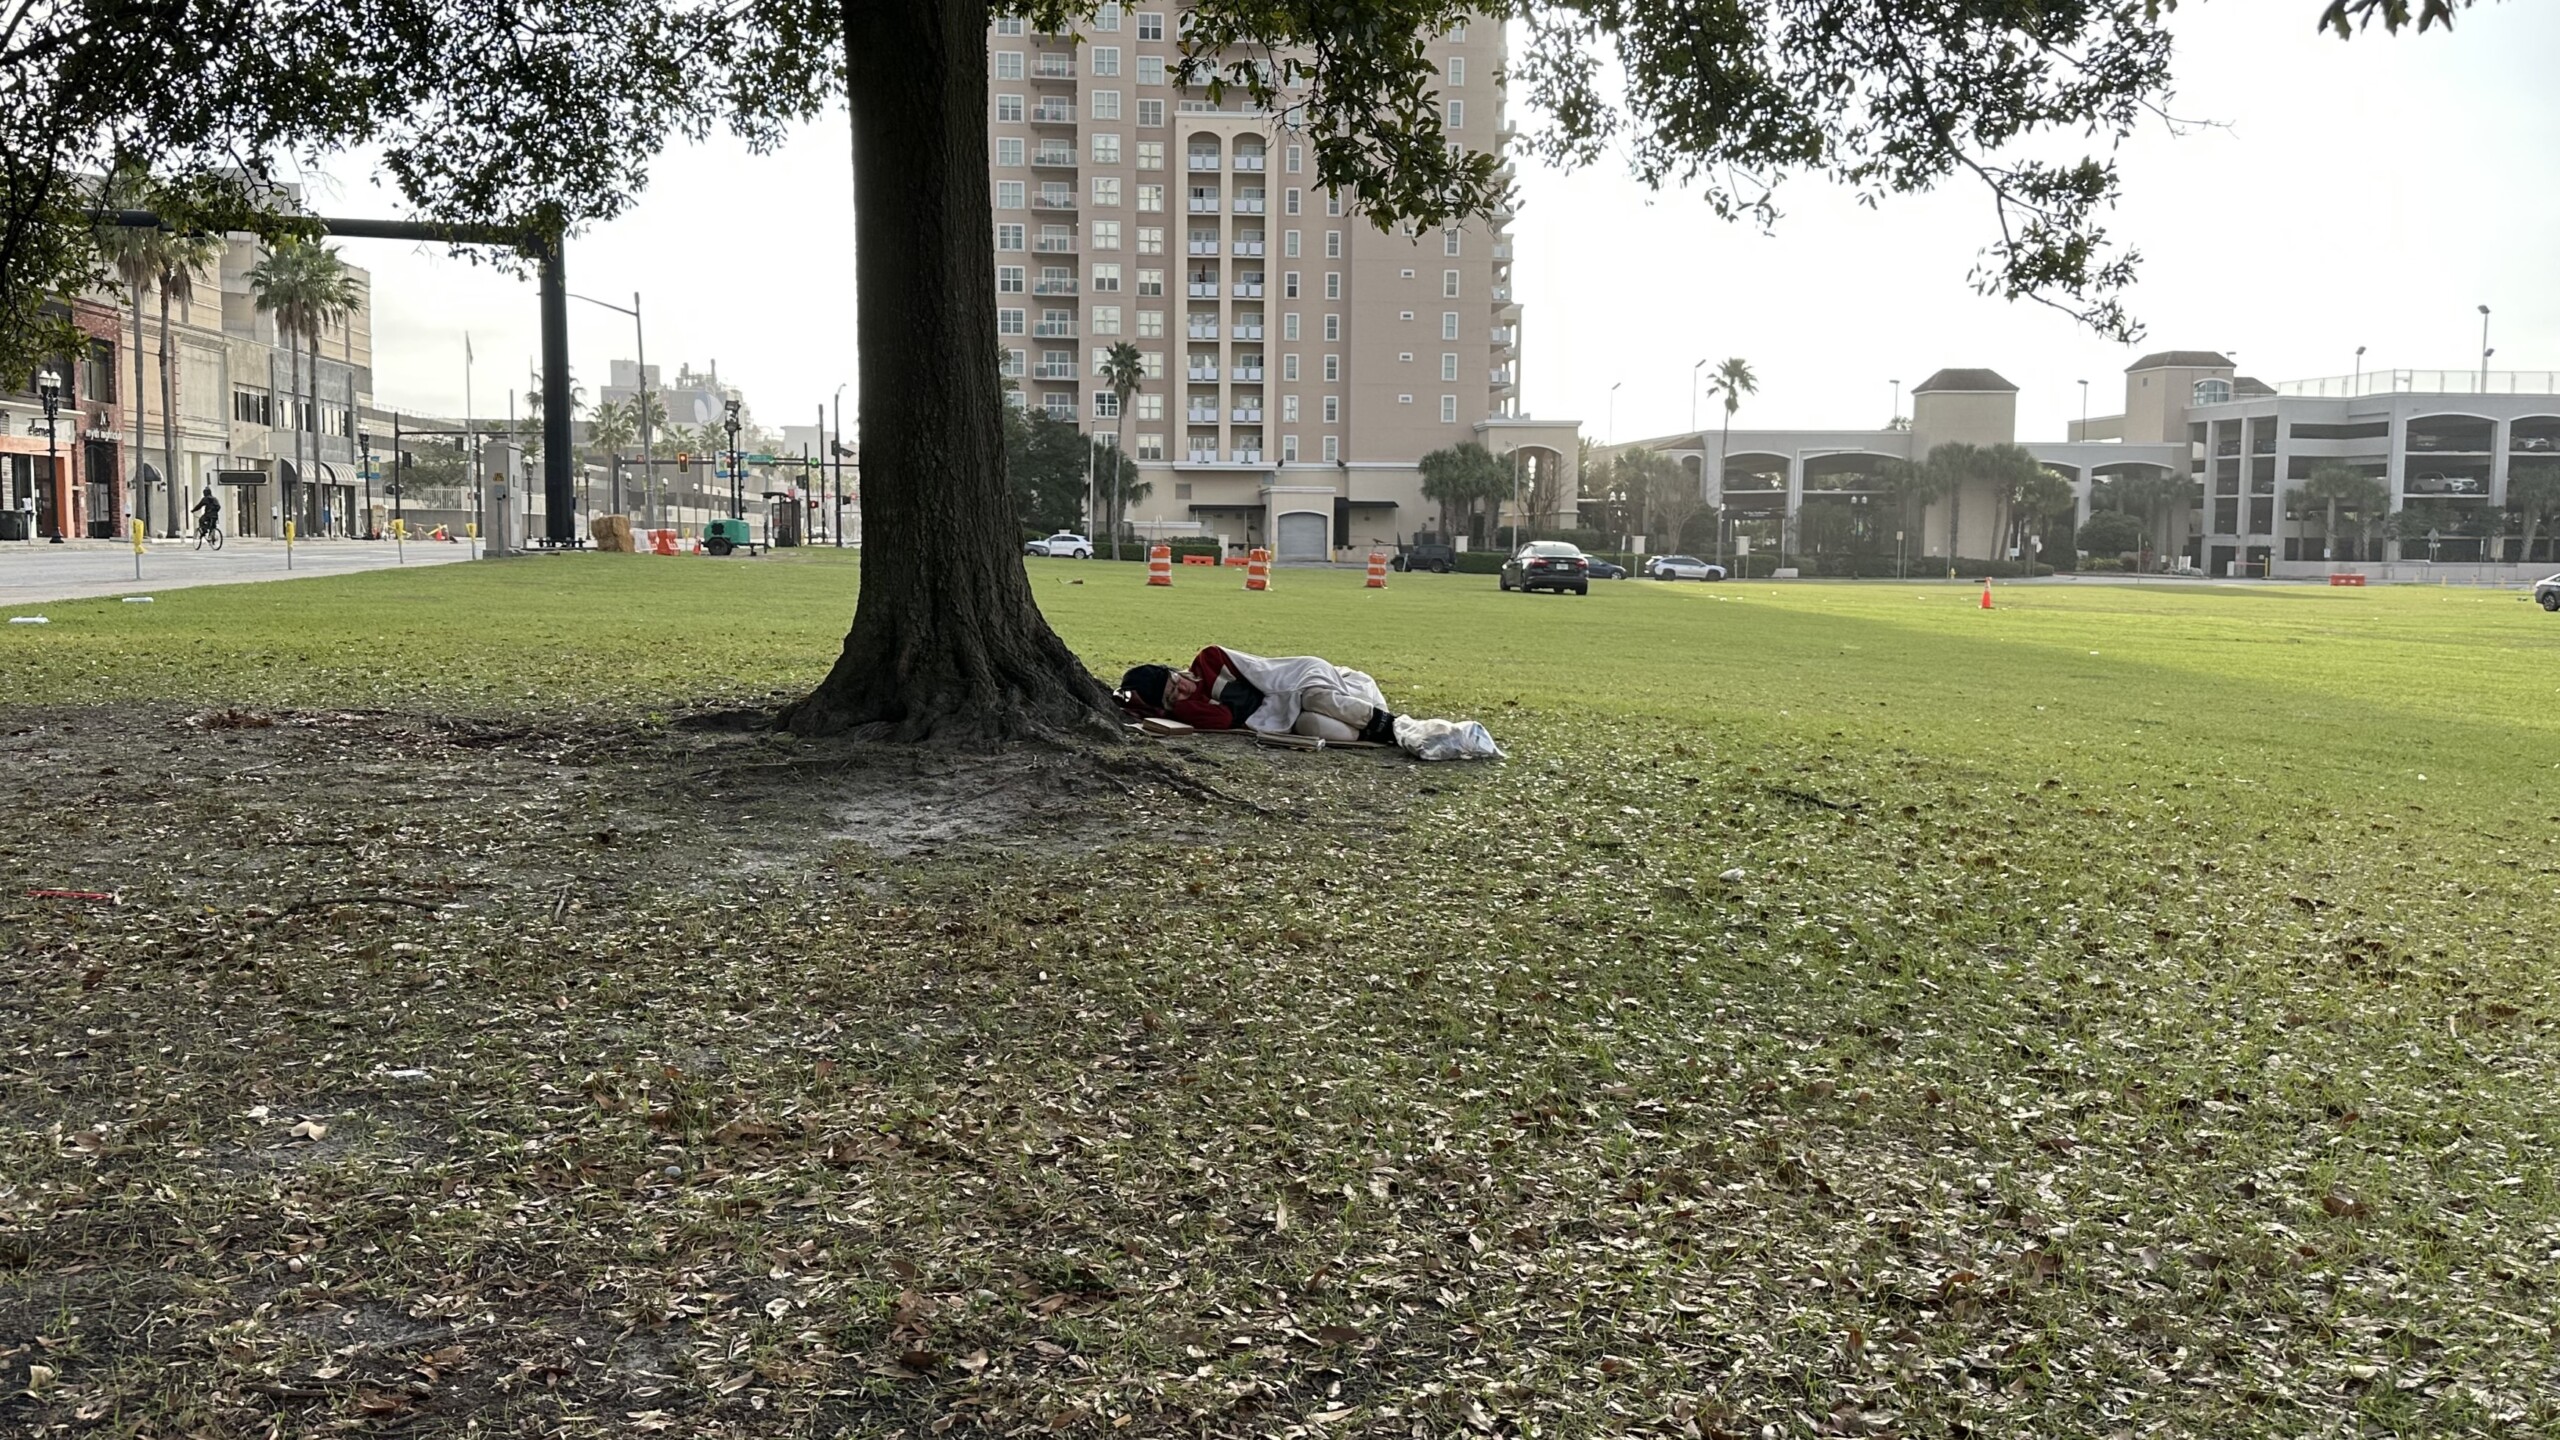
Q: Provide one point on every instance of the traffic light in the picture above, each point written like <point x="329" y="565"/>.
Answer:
<point x="684" y="459"/>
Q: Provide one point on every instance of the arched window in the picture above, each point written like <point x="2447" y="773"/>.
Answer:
<point x="2212" y="392"/>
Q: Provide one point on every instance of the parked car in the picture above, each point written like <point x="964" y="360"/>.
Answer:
<point x="2546" y="592"/>
<point x="1548" y="565"/>
<point x="1065" y="545"/>
<point x="1606" y="569"/>
<point x="1436" y="556"/>
<point x="1682" y="567"/>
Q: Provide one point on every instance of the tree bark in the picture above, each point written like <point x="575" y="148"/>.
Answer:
<point x="168" y="414"/>
<point x="135" y="504"/>
<point x="946" y="643"/>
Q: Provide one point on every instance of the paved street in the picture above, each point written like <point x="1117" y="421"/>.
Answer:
<point x="79" y="570"/>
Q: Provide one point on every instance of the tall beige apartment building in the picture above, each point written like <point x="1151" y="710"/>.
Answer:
<point x="1299" y="360"/>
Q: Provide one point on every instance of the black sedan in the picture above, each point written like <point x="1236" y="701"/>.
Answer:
<point x="1548" y="565"/>
<point x="1606" y="569"/>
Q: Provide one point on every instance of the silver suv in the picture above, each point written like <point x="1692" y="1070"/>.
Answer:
<point x="2546" y="592"/>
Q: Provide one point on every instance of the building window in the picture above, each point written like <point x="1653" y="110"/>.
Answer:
<point x="1009" y="322"/>
<point x="1009" y="151"/>
<point x="1106" y="234"/>
<point x="1289" y="244"/>
<point x="1289" y="204"/>
<point x="1333" y="284"/>
<point x="1150" y="239"/>
<point x="1449" y="241"/>
<point x="1458" y="33"/>
<point x="1150" y="27"/>
<point x="1333" y="409"/>
<point x="1293" y="157"/>
<point x="1008" y="237"/>
<point x="1289" y="326"/>
<point x="1151" y="114"/>
<point x="1151" y="282"/>
<point x="1150" y="324"/>
<point x="1106" y="104"/>
<point x="1106" y="279"/>
<point x="1150" y="446"/>
<point x="1106" y="151"/>
<point x="252" y="407"/>
<point x="1107" y="19"/>
<point x="1008" y="24"/>
<point x="1106" y="60"/>
<point x="1151" y="198"/>
<point x="1150" y="69"/>
<point x="1448" y="324"/>
<point x="1332" y="447"/>
<point x="1151" y="364"/>
<point x="1008" y="64"/>
<point x="1009" y="109"/>
<point x="1457" y="70"/>
<point x="1150" y="154"/>
<point x="1289" y="406"/>
<point x="1106" y="318"/>
<point x="1106" y="406"/>
<point x="1333" y="244"/>
<point x="1448" y="284"/>
<point x="1333" y="202"/>
<point x="1448" y="409"/>
<point x="1009" y="279"/>
<point x="1014" y="365"/>
<point x="1008" y="194"/>
<point x="1449" y="366"/>
<point x="1288" y="284"/>
<point x="1106" y="191"/>
<point x="1289" y="366"/>
<point x="1150" y="407"/>
<point x="1332" y="369"/>
<point x="1457" y="115"/>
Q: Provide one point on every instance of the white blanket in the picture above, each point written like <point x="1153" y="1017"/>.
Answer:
<point x="1286" y="681"/>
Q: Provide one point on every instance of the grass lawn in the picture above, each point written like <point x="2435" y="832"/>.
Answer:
<point x="2127" y="1012"/>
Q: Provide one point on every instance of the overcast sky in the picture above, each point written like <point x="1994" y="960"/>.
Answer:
<point x="2373" y="192"/>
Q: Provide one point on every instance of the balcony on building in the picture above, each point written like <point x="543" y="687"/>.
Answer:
<point x="1202" y="373"/>
<point x="1248" y="369"/>
<point x="1061" y="408"/>
<point x="1053" y="67"/>
<point x="1055" y="245"/>
<point x="1053" y="112"/>
<point x="1502" y="250"/>
<point x="1249" y="327"/>
<point x="1249" y="285"/>
<point x="1055" y="330"/>
<point x="1502" y="378"/>
<point x="1246" y="415"/>
<point x="1203" y="289"/>
<point x="1505" y="336"/>
<point x="1202" y="330"/>
<point x="1203" y="243"/>
<point x="1249" y="243"/>
<point x="1249" y="159"/>
<point x="1201" y="415"/>
<point x="1054" y="157"/>
<point x="1204" y="202"/>
<point x="1249" y="202"/>
<point x="1054" y="370"/>
<point x="1200" y="160"/>
<point x="1204" y="455"/>
<point x="1054" y="197"/>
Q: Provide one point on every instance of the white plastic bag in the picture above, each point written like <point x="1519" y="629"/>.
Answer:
<point x="1445" y="739"/>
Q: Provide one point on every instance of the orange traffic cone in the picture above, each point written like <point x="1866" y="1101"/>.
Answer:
<point x="1986" y="592"/>
<point x="1377" y="571"/>
<point x="1257" y="569"/>
<point x="1160" y="565"/>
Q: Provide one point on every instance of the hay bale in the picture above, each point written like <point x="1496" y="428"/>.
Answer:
<point x="612" y="534"/>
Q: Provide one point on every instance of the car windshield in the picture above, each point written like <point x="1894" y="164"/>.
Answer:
<point x="1550" y="549"/>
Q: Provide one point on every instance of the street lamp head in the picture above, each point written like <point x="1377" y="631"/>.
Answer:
<point x="2359" y="352"/>
<point x="2484" y="309"/>
<point x="49" y="385"/>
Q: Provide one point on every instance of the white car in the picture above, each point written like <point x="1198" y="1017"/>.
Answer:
<point x="2546" y="592"/>
<point x="1065" y="545"/>
<point x="1682" y="567"/>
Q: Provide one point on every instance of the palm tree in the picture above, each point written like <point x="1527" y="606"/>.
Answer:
<point x="612" y="432"/>
<point x="306" y="287"/>
<point x="1122" y="369"/>
<point x="1914" y="488"/>
<point x="2333" y="487"/>
<point x="181" y="256"/>
<point x="134" y="254"/>
<point x="1732" y="379"/>
<point x="2533" y="493"/>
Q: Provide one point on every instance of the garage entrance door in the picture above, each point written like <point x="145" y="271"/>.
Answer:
<point x="1303" y="536"/>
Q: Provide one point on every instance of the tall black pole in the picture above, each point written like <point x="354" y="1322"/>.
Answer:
<point x="559" y="486"/>
<point x="399" y="471"/>
<point x="835" y="453"/>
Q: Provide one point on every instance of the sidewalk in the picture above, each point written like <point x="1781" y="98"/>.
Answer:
<point x="31" y="574"/>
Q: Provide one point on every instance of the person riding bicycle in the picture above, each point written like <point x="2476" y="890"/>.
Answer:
<point x="208" y="513"/>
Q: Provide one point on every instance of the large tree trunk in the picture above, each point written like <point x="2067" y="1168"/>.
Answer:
<point x="136" y="502"/>
<point x="168" y="415"/>
<point x="946" y="643"/>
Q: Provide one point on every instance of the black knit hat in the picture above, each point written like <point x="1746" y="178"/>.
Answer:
<point x="1147" y="683"/>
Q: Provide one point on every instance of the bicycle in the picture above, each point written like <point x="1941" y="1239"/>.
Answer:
<point x="208" y="535"/>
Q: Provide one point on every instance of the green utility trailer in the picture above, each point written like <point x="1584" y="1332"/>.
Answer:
<point x="720" y="537"/>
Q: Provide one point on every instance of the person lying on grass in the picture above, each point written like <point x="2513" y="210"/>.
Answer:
<point x="1226" y="689"/>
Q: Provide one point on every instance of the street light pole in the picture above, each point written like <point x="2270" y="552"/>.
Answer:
<point x="1613" y="412"/>
<point x="2084" y="412"/>
<point x="835" y="453"/>
<point x="2356" y="387"/>
<point x="1693" y="393"/>
<point x="364" y="445"/>
<point x="640" y="343"/>
<point x="1895" y="420"/>
<point x="2485" y="351"/>
<point x="49" y="391"/>
<point x="737" y="509"/>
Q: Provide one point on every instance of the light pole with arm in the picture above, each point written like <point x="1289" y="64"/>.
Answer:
<point x="2485" y="351"/>
<point x="639" y="343"/>
<point x="1613" y="412"/>
<point x="49" y="392"/>
<point x="2356" y="386"/>
<point x="835" y="453"/>
<point x="1693" y="393"/>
